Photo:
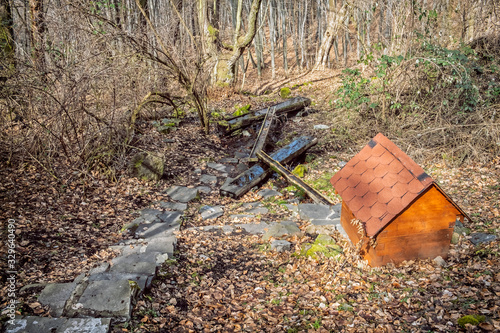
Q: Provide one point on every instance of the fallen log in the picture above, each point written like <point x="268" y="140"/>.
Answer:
<point x="248" y="179"/>
<point x="291" y="178"/>
<point x="293" y="104"/>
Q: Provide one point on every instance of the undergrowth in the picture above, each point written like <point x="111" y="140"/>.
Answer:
<point x="436" y="99"/>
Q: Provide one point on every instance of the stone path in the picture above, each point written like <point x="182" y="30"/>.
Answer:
<point x="107" y="294"/>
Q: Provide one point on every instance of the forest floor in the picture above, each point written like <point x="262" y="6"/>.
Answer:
<point x="64" y="228"/>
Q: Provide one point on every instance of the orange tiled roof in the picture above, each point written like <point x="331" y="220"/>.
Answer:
<point x="379" y="183"/>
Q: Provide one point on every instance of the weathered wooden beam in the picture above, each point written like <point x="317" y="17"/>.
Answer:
<point x="236" y="123"/>
<point x="253" y="176"/>
<point x="291" y="178"/>
<point x="261" y="138"/>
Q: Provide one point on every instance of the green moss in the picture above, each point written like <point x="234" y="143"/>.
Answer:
<point x="300" y="170"/>
<point x="323" y="244"/>
<point x="242" y="110"/>
<point x="285" y="92"/>
<point x="471" y="319"/>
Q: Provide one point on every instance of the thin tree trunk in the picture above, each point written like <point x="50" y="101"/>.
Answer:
<point x="38" y="28"/>
<point x="334" y="23"/>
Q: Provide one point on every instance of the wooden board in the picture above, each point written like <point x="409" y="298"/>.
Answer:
<point x="253" y="176"/>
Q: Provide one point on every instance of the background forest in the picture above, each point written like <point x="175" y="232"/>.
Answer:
<point x="90" y="89"/>
<point x="77" y="74"/>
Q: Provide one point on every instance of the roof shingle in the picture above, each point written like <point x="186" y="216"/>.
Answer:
<point x="379" y="183"/>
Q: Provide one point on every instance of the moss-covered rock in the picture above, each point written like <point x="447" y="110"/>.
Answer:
<point x="471" y="319"/>
<point x="147" y="166"/>
<point x="323" y="244"/>
<point x="285" y="92"/>
<point x="300" y="170"/>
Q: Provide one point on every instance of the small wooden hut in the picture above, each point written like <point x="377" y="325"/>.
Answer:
<point x="390" y="202"/>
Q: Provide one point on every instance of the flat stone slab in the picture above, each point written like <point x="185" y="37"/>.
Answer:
<point x="230" y="160"/>
<point x="280" y="245"/>
<point x="59" y="325"/>
<point x="208" y="179"/>
<point x="333" y="222"/>
<point x="220" y="167"/>
<point x="143" y="281"/>
<point x="204" y="189"/>
<point x="55" y="296"/>
<point x="292" y="208"/>
<point x="480" y="238"/>
<point x="282" y="229"/>
<point x="182" y="194"/>
<point x="162" y="245"/>
<point x="142" y="264"/>
<point x="310" y="212"/>
<point x="208" y="212"/>
<point x="255" y="228"/>
<point x="173" y="206"/>
<point x="257" y="210"/>
<point x="107" y="299"/>
<point x="236" y="217"/>
<point x="159" y="229"/>
<point x="268" y="193"/>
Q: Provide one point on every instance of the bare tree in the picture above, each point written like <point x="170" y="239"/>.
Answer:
<point x="222" y="55"/>
<point x="335" y="20"/>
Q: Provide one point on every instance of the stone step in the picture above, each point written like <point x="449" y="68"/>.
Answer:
<point x="34" y="324"/>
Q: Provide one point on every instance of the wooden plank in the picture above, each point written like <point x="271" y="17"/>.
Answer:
<point x="240" y="122"/>
<point x="291" y="178"/>
<point x="264" y="131"/>
<point x="250" y="178"/>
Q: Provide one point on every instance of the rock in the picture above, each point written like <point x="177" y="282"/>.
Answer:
<point x="55" y="296"/>
<point x="310" y="212"/>
<point x="332" y="222"/>
<point x="246" y="133"/>
<point x="283" y="229"/>
<point x="230" y="160"/>
<point x="147" y="166"/>
<point x="168" y="140"/>
<point x="148" y="215"/>
<point x="208" y="179"/>
<point x="108" y="299"/>
<point x="137" y="263"/>
<point x="292" y="208"/>
<point x="173" y="206"/>
<point x="440" y="261"/>
<point x="197" y="171"/>
<point x="321" y="127"/>
<point x="182" y="194"/>
<point x="100" y="269"/>
<point x="257" y="211"/>
<point x="220" y="167"/>
<point x="241" y="167"/>
<point x="268" y="193"/>
<point x="455" y="238"/>
<point x="342" y="164"/>
<point x="208" y="212"/>
<point x="255" y="228"/>
<point x="164" y="225"/>
<point x="481" y="238"/>
<point x="204" y="189"/>
<point x="242" y="154"/>
<point x="236" y="217"/>
<point x="59" y="325"/>
<point x="164" y="245"/>
<point x="280" y="245"/>
<point x="32" y="287"/>
<point x="143" y="281"/>
<point x="342" y="232"/>
<point x="323" y="244"/>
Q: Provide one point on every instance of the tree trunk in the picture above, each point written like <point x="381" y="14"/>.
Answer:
<point x="6" y="31"/>
<point x="223" y="58"/>
<point x="335" y="20"/>
<point x="38" y="28"/>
